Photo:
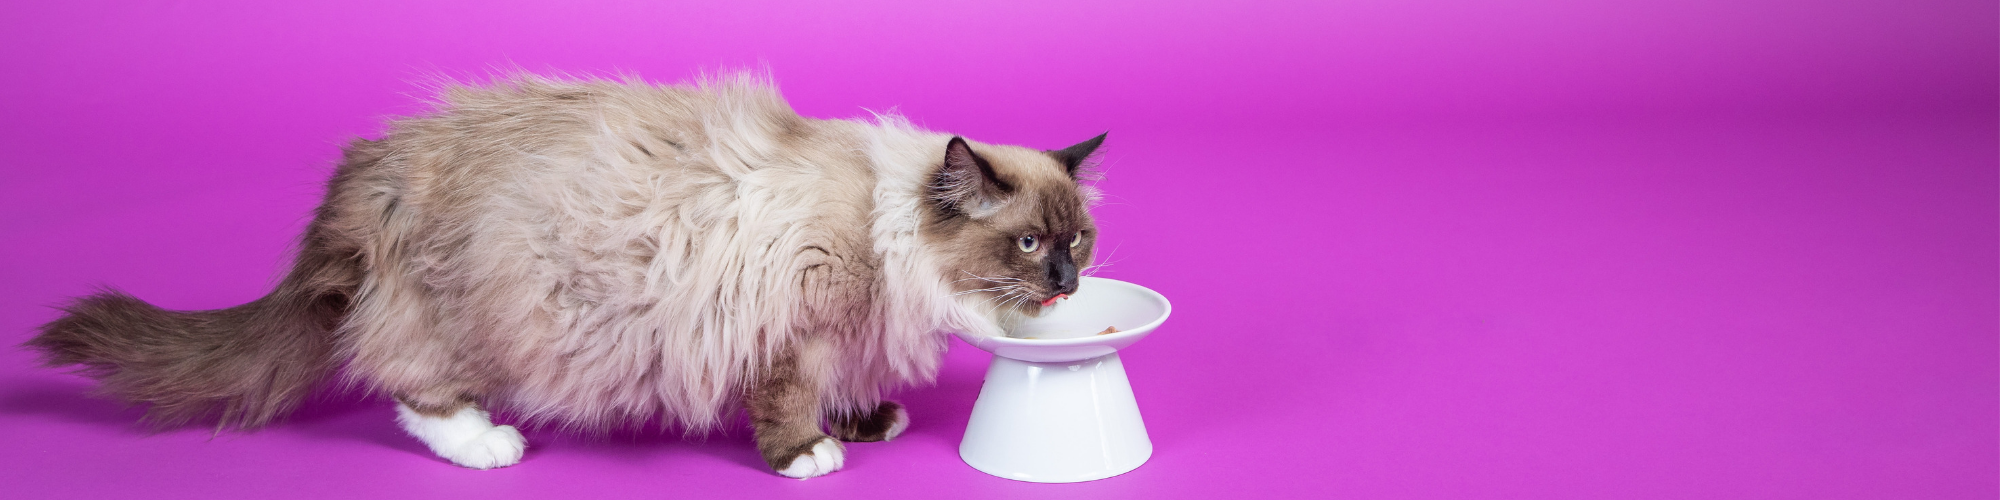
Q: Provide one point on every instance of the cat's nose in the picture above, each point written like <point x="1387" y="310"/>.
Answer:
<point x="1062" y="272"/>
<point x="1065" y="280"/>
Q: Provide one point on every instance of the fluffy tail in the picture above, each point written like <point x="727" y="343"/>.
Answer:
<point x="245" y="365"/>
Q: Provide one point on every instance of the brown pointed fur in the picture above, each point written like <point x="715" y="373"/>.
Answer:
<point x="243" y="366"/>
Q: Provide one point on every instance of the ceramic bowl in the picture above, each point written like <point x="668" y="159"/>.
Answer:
<point x="1056" y="406"/>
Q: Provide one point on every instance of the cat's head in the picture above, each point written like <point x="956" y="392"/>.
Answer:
<point x="1011" y="225"/>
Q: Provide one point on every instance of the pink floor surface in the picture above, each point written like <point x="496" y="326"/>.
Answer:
<point x="1428" y="249"/>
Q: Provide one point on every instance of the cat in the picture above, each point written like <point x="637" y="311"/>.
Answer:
<point x="599" y="253"/>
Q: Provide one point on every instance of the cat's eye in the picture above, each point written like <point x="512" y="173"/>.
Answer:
<point x="1028" y="243"/>
<point x="1076" y="240"/>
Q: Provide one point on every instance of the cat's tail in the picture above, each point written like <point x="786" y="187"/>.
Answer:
<point x="245" y="365"/>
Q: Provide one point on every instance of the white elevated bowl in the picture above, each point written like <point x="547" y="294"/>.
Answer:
<point x="1056" y="406"/>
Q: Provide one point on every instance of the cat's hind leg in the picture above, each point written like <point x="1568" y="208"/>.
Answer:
<point x="784" y="413"/>
<point x="882" y="423"/>
<point x="459" y="431"/>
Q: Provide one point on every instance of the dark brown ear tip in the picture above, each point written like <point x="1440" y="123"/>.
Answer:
<point x="1073" y="157"/>
<point x="958" y="147"/>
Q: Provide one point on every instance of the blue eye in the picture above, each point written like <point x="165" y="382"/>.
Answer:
<point x="1028" y="243"/>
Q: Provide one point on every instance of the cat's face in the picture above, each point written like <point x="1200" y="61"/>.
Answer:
<point x="1012" y="224"/>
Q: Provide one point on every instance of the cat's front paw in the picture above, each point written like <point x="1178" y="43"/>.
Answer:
<point x="898" y="421"/>
<point x="887" y="421"/>
<point x="825" y="456"/>
<point x="499" y="446"/>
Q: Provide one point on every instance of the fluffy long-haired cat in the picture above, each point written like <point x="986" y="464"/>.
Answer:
<point x="596" y="254"/>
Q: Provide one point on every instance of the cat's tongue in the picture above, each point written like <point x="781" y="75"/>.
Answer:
<point x="1052" y="300"/>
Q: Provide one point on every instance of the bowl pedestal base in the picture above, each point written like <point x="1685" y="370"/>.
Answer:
<point x="1059" y="422"/>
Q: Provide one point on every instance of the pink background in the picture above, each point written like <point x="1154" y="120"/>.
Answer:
<point x="1417" y="249"/>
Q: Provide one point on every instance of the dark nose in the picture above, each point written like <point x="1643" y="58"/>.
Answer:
<point x="1062" y="272"/>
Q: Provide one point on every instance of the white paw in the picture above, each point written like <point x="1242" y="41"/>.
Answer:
<point x="497" y="447"/>
<point x="825" y="457"/>
<point x="467" y="437"/>
<point x="896" y="427"/>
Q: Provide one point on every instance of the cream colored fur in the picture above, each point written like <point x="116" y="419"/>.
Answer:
<point x="600" y="253"/>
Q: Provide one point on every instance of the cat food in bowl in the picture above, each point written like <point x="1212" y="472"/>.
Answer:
<point x="1107" y="331"/>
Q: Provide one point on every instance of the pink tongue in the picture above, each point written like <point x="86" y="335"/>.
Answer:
<point x="1052" y="300"/>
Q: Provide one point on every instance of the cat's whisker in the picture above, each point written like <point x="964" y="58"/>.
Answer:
<point x="1017" y="296"/>
<point x="981" y="290"/>
<point x="984" y="278"/>
<point x="1003" y="303"/>
<point x="1018" y="300"/>
<point x="1095" y="268"/>
<point x="1013" y="294"/>
<point x="999" y="283"/>
<point x="1109" y="259"/>
<point x="1009" y="291"/>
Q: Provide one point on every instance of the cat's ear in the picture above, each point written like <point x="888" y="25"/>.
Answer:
<point x="967" y="184"/>
<point x="1072" y="157"/>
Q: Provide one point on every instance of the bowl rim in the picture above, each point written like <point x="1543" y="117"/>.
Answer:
<point x="1166" y="310"/>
